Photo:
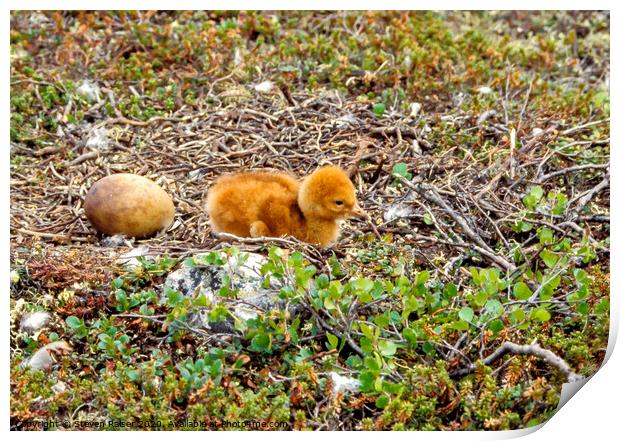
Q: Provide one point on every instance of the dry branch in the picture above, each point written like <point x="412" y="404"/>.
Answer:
<point x="584" y="199"/>
<point x="533" y="349"/>
<point x="568" y="170"/>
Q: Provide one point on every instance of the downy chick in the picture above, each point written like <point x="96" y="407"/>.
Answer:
<point x="255" y="204"/>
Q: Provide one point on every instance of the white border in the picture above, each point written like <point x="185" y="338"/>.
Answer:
<point x="591" y="414"/>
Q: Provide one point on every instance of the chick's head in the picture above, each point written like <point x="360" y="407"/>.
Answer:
<point x="328" y="193"/>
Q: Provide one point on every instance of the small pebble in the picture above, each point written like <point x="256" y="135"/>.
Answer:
<point x="89" y="90"/>
<point x="415" y="109"/>
<point x="42" y="359"/>
<point x="60" y="387"/>
<point x="344" y="384"/>
<point x="264" y="87"/>
<point x="34" y="322"/>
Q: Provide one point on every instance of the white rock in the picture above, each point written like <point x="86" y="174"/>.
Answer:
<point x="397" y="211"/>
<point x="38" y="19"/>
<point x="264" y="87"/>
<point x="407" y="62"/>
<point x="192" y="282"/>
<point x="19" y="306"/>
<point x="244" y="313"/>
<point x="343" y="384"/>
<point x="537" y="131"/>
<point x="199" y="173"/>
<point x="245" y="278"/>
<point x="485" y="90"/>
<point x="98" y="139"/>
<point x="415" y="146"/>
<point x="34" y="322"/>
<point x="43" y="359"/>
<point x="118" y="240"/>
<point x="59" y="387"/>
<point x="415" y="109"/>
<point x="90" y="91"/>
<point x="346" y="121"/>
<point x="238" y="58"/>
<point x="484" y="116"/>
<point x="130" y="258"/>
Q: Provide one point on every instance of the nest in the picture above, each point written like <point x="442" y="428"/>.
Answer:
<point x="455" y="200"/>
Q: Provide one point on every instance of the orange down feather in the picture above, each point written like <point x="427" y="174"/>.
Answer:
<point x="255" y="204"/>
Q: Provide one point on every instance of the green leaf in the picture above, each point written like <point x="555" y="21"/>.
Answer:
<point x="401" y="170"/>
<point x="450" y="290"/>
<point x="517" y="316"/>
<point x="174" y="297"/>
<point x="494" y="307"/>
<point x="328" y="303"/>
<point x="381" y="321"/>
<point x="421" y="278"/>
<point x="581" y="276"/>
<point x="296" y="259"/>
<point x="428" y="347"/>
<point x="411" y="336"/>
<point x="460" y="325"/>
<point x="387" y="348"/>
<point x="428" y="219"/>
<point x="529" y="201"/>
<point x="322" y="281"/>
<point x="73" y="322"/>
<point x="537" y="192"/>
<point x="559" y="202"/>
<point x="367" y="330"/>
<point x="480" y="298"/>
<point x="549" y="258"/>
<point x="522" y="291"/>
<point x="601" y="307"/>
<point x="117" y="283"/>
<point x="466" y="314"/>
<point x="261" y="343"/>
<point x="367" y="380"/>
<point x="382" y="401"/>
<point x="541" y="314"/>
<point x="133" y="375"/>
<point x="378" y="109"/>
<point x="364" y="284"/>
<point x="332" y="340"/>
<point x="545" y="235"/>
<point x="496" y="326"/>
<point x="583" y="308"/>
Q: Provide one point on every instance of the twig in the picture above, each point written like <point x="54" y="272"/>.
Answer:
<point x="584" y="199"/>
<point x="429" y="193"/>
<point x="61" y="237"/>
<point x="583" y="126"/>
<point x="83" y="157"/>
<point x="565" y="171"/>
<point x="532" y="349"/>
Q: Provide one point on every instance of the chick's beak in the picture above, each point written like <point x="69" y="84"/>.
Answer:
<point x="359" y="212"/>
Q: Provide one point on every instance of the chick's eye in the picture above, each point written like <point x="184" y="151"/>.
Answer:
<point x="339" y="202"/>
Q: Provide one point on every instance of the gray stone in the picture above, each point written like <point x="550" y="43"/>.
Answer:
<point x="44" y="359"/>
<point x="245" y="277"/>
<point x="342" y="384"/>
<point x="34" y="322"/>
<point x="130" y="259"/>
